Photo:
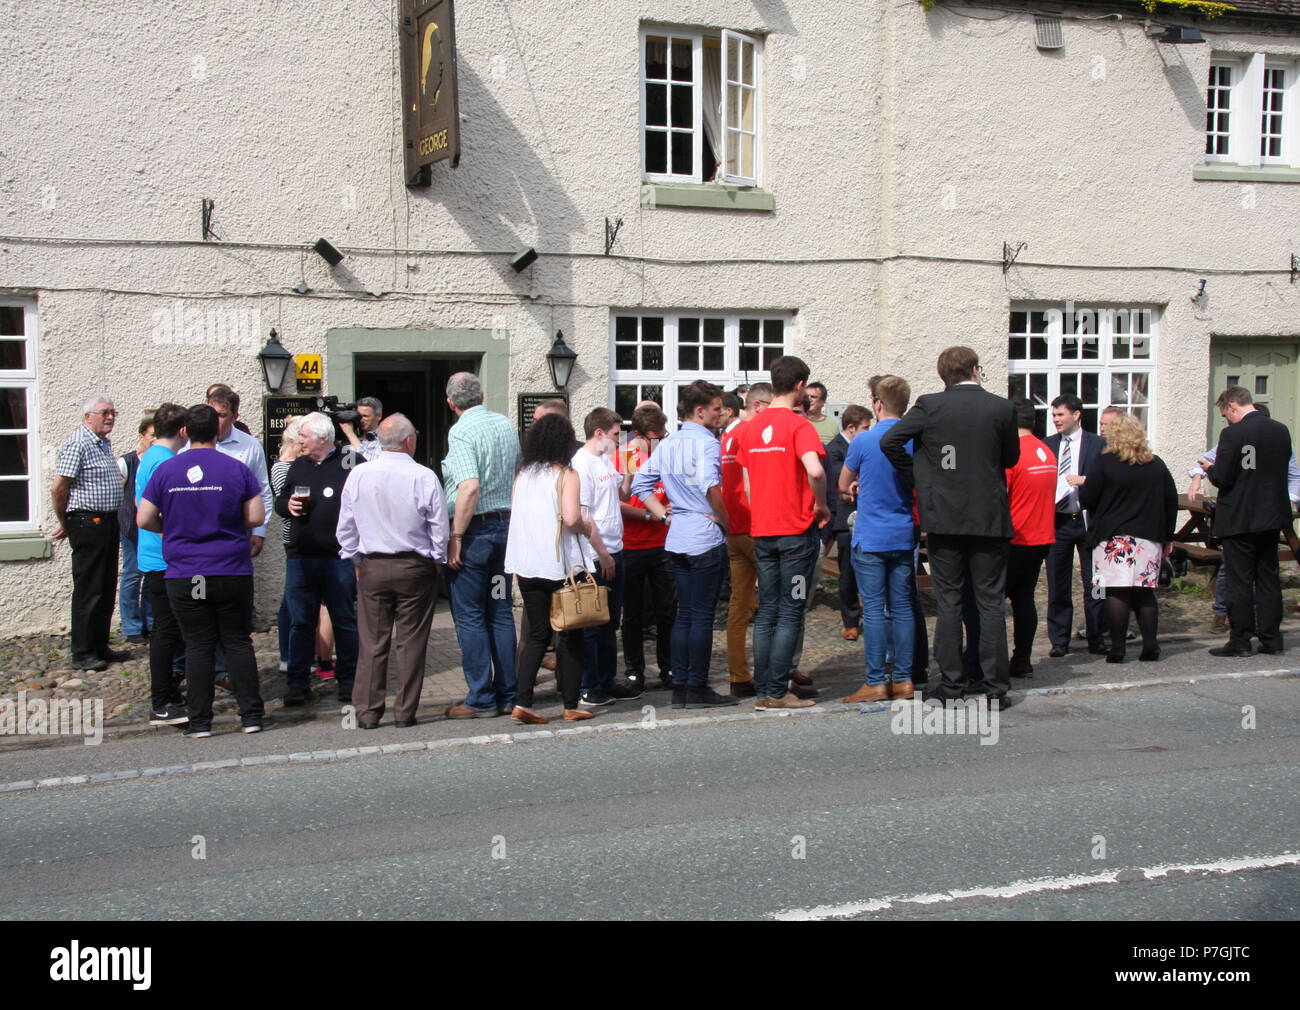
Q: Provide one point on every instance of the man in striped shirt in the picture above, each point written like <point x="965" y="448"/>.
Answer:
<point x="478" y="477"/>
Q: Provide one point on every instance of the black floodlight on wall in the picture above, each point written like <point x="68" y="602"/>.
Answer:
<point x="327" y="252"/>
<point x="561" y="359"/>
<point x="522" y="261"/>
<point x="275" y="363"/>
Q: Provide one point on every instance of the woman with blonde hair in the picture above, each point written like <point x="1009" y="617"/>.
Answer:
<point x="1132" y="505"/>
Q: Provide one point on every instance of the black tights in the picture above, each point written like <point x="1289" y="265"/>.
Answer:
<point x="1118" y="604"/>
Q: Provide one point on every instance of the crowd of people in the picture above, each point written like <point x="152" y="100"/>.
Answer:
<point x="751" y="491"/>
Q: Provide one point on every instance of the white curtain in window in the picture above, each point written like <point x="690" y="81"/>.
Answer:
<point x="711" y="104"/>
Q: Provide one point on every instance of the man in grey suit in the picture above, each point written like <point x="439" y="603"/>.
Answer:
<point x="1075" y="449"/>
<point x="964" y="440"/>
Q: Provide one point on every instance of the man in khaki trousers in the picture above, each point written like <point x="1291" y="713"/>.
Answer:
<point x="393" y="527"/>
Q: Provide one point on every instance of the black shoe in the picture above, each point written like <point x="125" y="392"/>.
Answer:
<point x="1001" y="702"/>
<point x="136" y="639"/>
<point x="743" y="689"/>
<point x="625" y="692"/>
<point x="1020" y="670"/>
<point x="1114" y="657"/>
<point x="665" y="683"/>
<point x="1271" y="651"/>
<point x="253" y="726"/>
<point x="1058" y="651"/>
<point x="198" y="731"/>
<point x="679" y="697"/>
<point x="636" y="680"/>
<point x="90" y="663"/>
<point x="168" y="715"/>
<point x="406" y="723"/>
<point x="595" y="699"/>
<point x="223" y="682"/>
<point x="367" y="724"/>
<point x="1149" y="655"/>
<point x="706" y="697"/>
<point x="1098" y="650"/>
<point x="114" y="656"/>
<point x="1230" y="650"/>
<point x="297" y="696"/>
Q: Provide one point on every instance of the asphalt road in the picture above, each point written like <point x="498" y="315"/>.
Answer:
<point x="745" y="819"/>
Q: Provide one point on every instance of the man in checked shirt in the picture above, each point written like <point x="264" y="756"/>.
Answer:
<point x="87" y="493"/>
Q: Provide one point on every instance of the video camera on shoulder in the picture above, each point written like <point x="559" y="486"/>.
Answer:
<point x="339" y="413"/>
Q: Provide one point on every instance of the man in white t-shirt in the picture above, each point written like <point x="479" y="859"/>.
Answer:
<point x="601" y="490"/>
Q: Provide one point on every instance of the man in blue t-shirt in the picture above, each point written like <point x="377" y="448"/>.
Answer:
<point x="882" y="546"/>
<point x="166" y="706"/>
<point x="204" y="502"/>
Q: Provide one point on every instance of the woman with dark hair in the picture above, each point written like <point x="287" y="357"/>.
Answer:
<point x="548" y="536"/>
<point x="1133" y="505"/>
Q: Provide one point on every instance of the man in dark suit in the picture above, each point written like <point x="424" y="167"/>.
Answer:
<point x="1250" y="471"/>
<point x="964" y="440"/>
<point x="855" y="418"/>
<point x="1075" y="449"/>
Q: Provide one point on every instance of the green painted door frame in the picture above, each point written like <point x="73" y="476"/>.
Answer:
<point x="1267" y="366"/>
<point x="341" y="345"/>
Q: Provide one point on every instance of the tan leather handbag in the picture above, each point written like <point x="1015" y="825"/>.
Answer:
<point x="580" y="602"/>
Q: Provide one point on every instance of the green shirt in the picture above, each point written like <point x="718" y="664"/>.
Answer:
<point x="481" y="446"/>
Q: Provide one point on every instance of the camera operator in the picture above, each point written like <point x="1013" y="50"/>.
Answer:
<point x="369" y="413"/>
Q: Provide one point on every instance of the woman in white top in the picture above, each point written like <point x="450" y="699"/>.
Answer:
<point x="533" y="557"/>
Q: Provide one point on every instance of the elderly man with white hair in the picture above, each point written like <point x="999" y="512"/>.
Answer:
<point x="393" y="527"/>
<point x="314" y="572"/>
<point x="87" y="494"/>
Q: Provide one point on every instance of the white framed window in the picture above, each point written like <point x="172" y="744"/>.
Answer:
<point x="1102" y="354"/>
<point x="654" y="354"/>
<point x="701" y="106"/>
<point x="19" y="456"/>
<point x="1252" y="113"/>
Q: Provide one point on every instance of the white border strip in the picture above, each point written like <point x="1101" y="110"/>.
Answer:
<point x="344" y="753"/>
<point x="1037" y="885"/>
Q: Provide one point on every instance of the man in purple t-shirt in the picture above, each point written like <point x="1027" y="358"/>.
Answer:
<point x="204" y="502"/>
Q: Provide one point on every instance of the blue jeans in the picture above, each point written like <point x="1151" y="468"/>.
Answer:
<point x="309" y="582"/>
<point x="699" y="579"/>
<point x="785" y="572"/>
<point x="884" y="580"/>
<point x="600" y="643"/>
<point x="132" y="601"/>
<point x="481" y="608"/>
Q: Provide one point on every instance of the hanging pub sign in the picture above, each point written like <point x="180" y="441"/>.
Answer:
<point x="431" y="107"/>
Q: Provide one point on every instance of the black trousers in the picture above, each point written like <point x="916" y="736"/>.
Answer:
<point x="1070" y="537"/>
<point x="165" y="642"/>
<point x="850" y="604"/>
<point x="987" y="558"/>
<point x="216" y="609"/>
<point x="654" y="564"/>
<point x="535" y="635"/>
<point x="93" y="538"/>
<point x="1250" y="561"/>
<point x="1024" y="562"/>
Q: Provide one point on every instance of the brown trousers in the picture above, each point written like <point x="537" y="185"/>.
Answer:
<point x="395" y="601"/>
<point x="744" y="603"/>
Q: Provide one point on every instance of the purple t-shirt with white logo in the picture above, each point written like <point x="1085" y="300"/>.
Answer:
<point x="201" y="495"/>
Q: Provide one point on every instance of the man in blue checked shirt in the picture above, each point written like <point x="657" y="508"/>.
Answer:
<point x="689" y="463"/>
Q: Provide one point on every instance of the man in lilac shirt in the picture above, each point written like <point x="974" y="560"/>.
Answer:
<point x="203" y="503"/>
<point x="689" y="463"/>
<point x="393" y="527"/>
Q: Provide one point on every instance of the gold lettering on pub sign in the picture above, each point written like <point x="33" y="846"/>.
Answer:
<point x="434" y="142"/>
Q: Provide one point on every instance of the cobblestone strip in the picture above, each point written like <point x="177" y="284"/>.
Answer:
<point x="532" y="736"/>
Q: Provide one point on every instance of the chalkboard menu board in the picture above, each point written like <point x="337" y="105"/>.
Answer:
<point x="528" y="403"/>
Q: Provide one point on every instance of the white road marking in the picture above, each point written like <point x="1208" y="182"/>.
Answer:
<point x="1036" y="885"/>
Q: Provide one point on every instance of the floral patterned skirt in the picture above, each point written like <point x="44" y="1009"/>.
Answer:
<point x="1126" y="562"/>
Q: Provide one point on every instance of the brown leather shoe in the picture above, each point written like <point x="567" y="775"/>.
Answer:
<point x="463" y="711"/>
<point x="577" y="714"/>
<point x="785" y="701"/>
<point x="799" y="691"/>
<point x="851" y="634"/>
<point x="548" y="661"/>
<point x="527" y="716"/>
<point x="901" y="690"/>
<point x="742" y="689"/>
<point x="868" y="693"/>
<point x="1220" y="623"/>
<point x="800" y="677"/>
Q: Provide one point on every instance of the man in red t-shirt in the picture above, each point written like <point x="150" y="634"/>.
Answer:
<point x="645" y="560"/>
<point x="1031" y="487"/>
<point x="740" y="545"/>
<point x="781" y="454"/>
